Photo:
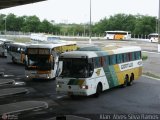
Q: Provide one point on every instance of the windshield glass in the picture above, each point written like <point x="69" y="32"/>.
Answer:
<point x="75" y="67"/>
<point x="39" y="62"/>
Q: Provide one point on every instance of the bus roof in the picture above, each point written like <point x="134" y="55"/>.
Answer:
<point x="4" y="40"/>
<point x="108" y="50"/>
<point x="153" y="34"/>
<point x="19" y="44"/>
<point x="49" y="45"/>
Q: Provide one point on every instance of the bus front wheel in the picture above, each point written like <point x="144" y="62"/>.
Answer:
<point x="98" y="90"/>
<point x="125" y="81"/>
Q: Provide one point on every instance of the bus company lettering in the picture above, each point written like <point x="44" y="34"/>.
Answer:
<point x="126" y="65"/>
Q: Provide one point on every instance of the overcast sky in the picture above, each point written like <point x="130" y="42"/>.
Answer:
<point x="77" y="11"/>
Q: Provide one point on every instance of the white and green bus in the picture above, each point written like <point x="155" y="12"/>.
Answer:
<point x="92" y="71"/>
<point x="42" y="59"/>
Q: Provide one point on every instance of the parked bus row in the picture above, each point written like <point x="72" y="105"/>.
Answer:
<point x="79" y="70"/>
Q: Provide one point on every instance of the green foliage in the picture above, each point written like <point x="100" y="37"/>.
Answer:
<point x="137" y="24"/>
<point x="2" y="21"/>
<point x="144" y="57"/>
<point x="26" y="24"/>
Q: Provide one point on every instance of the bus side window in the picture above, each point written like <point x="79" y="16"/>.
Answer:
<point x="112" y="59"/>
<point x="125" y="57"/>
<point x="97" y="62"/>
<point x="133" y="56"/>
<point x="18" y="50"/>
<point x="119" y="58"/>
<point x="138" y="55"/>
<point x="102" y="61"/>
<point x="106" y="60"/>
<point x="130" y="56"/>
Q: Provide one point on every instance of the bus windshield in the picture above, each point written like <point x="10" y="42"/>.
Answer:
<point x="75" y="68"/>
<point x="37" y="62"/>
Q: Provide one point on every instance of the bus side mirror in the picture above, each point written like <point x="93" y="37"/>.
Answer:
<point x="59" y="68"/>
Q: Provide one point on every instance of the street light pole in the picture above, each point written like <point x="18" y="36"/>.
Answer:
<point x="90" y="30"/>
<point x="159" y="28"/>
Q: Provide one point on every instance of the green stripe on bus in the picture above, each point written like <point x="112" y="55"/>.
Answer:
<point x="109" y="72"/>
<point x="73" y="82"/>
<point x="114" y="76"/>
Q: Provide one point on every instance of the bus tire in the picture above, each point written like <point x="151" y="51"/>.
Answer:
<point x="13" y="60"/>
<point x="24" y="62"/>
<point x="3" y="54"/>
<point x="72" y="96"/>
<point x="125" y="81"/>
<point x="98" y="90"/>
<point x="131" y="79"/>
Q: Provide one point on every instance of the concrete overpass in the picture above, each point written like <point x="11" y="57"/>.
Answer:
<point x="12" y="3"/>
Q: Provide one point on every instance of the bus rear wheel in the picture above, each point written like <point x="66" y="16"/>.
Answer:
<point x="131" y="79"/>
<point x="98" y="90"/>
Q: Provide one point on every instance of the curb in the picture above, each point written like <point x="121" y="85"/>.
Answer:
<point x="151" y="77"/>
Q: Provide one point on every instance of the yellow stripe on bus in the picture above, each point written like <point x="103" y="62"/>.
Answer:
<point x="80" y="82"/>
<point x="121" y="74"/>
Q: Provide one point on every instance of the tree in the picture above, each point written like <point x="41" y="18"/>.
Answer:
<point x="2" y="21"/>
<point x="31" y="24"/>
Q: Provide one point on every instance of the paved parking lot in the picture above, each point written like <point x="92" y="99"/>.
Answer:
<point x="142" y="97"/>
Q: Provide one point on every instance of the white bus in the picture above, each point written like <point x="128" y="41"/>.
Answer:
<point x="3" y="46"/>
<point x="91" y="72"/>
<point x="153" y="37"/>
<point x="118" y="35"/>
<point x="42" y="59"/>
<point x="41" y="37"/>
<point x="16" y="52"/>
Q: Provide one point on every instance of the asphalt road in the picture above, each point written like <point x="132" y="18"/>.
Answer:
<point x="146" y="46"/>
<point x="142" y="97"/>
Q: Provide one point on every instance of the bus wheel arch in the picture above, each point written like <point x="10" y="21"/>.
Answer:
<point x="98" y="89"/>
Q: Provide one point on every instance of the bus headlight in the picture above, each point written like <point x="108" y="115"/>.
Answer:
<point x="27" y="76"/>
<point x="58" y="86"/>
<point x="84" y="87"/>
